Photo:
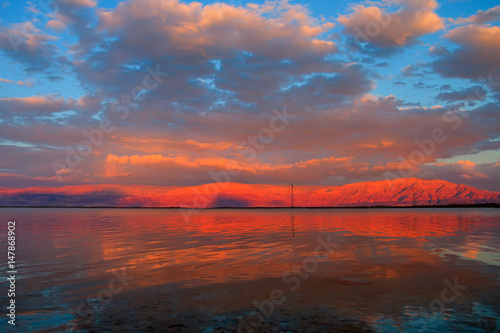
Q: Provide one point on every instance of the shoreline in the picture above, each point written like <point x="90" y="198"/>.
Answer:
<point x="484" y="205"/>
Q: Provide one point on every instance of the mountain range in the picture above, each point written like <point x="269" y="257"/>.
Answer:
<point x="398" y="192"/>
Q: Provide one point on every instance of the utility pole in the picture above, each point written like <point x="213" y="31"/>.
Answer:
<point x="291" y="198"/>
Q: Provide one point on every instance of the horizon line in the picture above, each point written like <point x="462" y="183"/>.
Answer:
<point x="479" y="205"/>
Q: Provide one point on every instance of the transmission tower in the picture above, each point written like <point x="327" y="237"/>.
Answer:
<point x="413" y="194"/>
<point x="291" y="195"/>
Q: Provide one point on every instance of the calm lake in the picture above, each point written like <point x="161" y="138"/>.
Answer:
<point x="254" y="270"/>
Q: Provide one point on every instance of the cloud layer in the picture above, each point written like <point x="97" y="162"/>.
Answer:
<point x="179" y="93"/>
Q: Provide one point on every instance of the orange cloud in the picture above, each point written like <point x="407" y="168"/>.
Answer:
<point x="476" y="36"/>
<point x="6" y="80"/>
<point x="47" y="103"/>
<point x="469" y="169"/>
<point x="118" y="166"/>
<point x="154" y="144"/>
<point x="383" y="29"/>
<point x="221" y="27"/>
<point x="477" y="54"/>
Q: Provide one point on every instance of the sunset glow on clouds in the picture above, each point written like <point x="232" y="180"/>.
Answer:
<point x="169" y="92"/>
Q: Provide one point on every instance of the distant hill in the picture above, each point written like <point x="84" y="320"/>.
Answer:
<point x="399" y="192"/>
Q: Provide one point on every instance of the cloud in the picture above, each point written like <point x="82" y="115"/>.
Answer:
<point x="29" y="43"/>
<point x="228" y="68"/>
<point x="217" y="30"/>
<point x="28" y="83"/>
<point x="391" y="30"/>
<point x="409" y="71"/>
<point x="325" y="90"/>
<point x="467" y="172"/>
<point x="472" y="93"/>
<point x="157" y="144"/>
<point x="238" y="59"/>
<point x="192" y="34"/>
<point x="6" y="81"/>
<point x="357" y="141"/>
<point x="482" y="16"/>
<point x="492" y="14"/>
<point x="139" y="166"/>
<point x="476" y="55"/>
<point x="26" y="44"/>
<point x="35" y="104"/>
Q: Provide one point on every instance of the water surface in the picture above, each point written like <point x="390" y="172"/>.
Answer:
<point x="380" y="270"/>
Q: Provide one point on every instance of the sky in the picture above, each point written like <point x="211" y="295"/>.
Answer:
<point x="174" y="93"/>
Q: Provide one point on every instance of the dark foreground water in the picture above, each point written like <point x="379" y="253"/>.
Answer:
<point x="364" y="270"/>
